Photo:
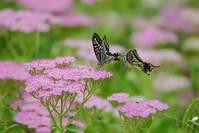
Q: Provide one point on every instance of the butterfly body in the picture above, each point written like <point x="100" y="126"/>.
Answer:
<point x="133" y="59"/>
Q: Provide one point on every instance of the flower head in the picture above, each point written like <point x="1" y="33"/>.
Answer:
<point x="47" y="5"/>
<point x="173" y="18"/>
<point x="141" y="109"/>
<point x="77" y="73"/>
<point x="96" y="102"/>
<point x="153" y="36"/>
<point x="119" y="97"/>
<point x="11" y="70"/>
<point x="43" y="86"/>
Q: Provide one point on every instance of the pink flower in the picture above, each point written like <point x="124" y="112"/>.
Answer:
<point x="74" y="20"/>
<point x="32" y="119"/>
<point x="39" y="66"/>
<point x="141" y="109"/>
<point x="96" y="102"/>
<point x="42" y="129"/>
<point x="42" y="86"/>
<point x="153" y="36"/>
<point x="63" y="61"/>
<point x="172" y="18"/>
<point x="24" y="21"/>
<point x="133" y="109"/>
<point x="119" y="97"/>
<point x="157" y="105"/>
<point x="54" y="6"/>
<point x="83" y="72"/>
<point x="11" y="70"/>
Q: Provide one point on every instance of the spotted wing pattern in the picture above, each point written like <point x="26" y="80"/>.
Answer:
<point x="101" y="48"/>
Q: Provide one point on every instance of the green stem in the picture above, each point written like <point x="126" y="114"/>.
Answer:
<point x="61" y="115"/>
<point x="37" y="43"/>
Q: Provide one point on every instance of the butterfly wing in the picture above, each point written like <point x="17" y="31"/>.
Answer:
<point x="135" y="53"/>
<point x="100" y="48"/>
<point x="106" y="45"/>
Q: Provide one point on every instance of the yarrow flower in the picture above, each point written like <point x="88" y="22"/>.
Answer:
<point x="32" y="114"/>
<point x="56" y="85"/>
<point x="30" y="21"/>
<point x="97" y="102"/>
<point x="47" y="5"/>
<point x="12" y="70"/>
<point x="82" y="72"/>
<point x="136" y="109"/>
<point x="42" y="86"/>
<point x="173" y="18"/>
<point x="119" y="97"/>
<point x="39" y="66"/>
<point x="152" y="36"/>
<point x="141" y="109"/>
<point x="24" y="21"/>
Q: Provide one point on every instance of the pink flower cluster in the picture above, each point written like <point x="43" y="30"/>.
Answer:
<point x="30" y="21"/>
<point x="84" y="49"/>
<point x="173" y="18"/>
<point x="120" y="97"/>
<point x="136" y="109"/>
<point x="54" y="6"/>
<point x="12" y="70"/>
<point x="32" y="114"/>
<point x="97" y="102"/>
<point x="24" y="21"/>
<point x="152" y="36"/>
<point x="39" y="66"/>
<point x="141" y="109"/>
<point x="52" y="77"/>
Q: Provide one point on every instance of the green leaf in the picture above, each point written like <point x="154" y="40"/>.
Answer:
<point x="192" y="111"/>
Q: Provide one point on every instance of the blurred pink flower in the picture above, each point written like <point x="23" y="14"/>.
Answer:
<point x="120" y="97"/>
<point x="172" y="18"/>
<point x="53" y="6"/>
<point x="72" y="20"/>
<point x="141" y="109"/>
<point x="152" y="36"/>
<point x="191" y="15"/>
<point x="24" y="21"/>
<point x="12" y="70"/>
<point x="96" y="102"/>
<point x="170" y="82"/>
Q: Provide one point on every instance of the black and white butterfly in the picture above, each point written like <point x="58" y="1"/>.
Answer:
<point x="133" y="59"/>
<point x="102" y="50"/>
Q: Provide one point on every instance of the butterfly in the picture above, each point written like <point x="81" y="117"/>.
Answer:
<point x="102" y="50"/>
<point x="133" y="58"/>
